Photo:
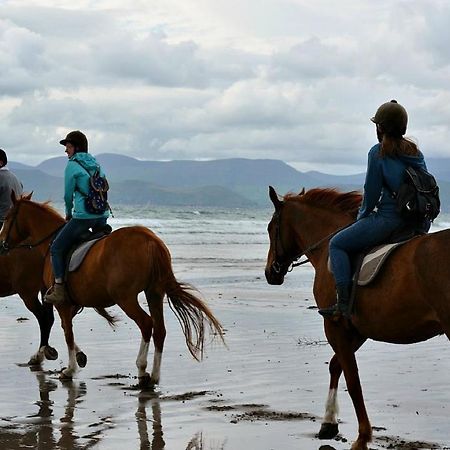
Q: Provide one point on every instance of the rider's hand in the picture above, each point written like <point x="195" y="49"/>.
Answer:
<point x="68" y="218"/>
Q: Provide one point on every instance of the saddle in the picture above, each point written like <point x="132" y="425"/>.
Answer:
<point x="368" y="264"/>
<point x="84" y="244"/>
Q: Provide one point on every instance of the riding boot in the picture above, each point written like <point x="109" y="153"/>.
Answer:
<point x="57" y="296"/>
<point x="342" y="306"/>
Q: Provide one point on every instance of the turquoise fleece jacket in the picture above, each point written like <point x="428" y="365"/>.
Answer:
<point x="76" y="185"/>
<point x="381" y="172"/>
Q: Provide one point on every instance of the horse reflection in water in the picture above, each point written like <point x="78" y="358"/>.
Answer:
<point x="408" y="302"/>
<point x="47" y="430"/>
<point x="117" y="268"/>
<point x="157" y="442"/>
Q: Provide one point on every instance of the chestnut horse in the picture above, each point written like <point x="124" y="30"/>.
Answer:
<point x="130" y="260"/>
<point x="408" y="302"/>
<point x="21" y="273"/>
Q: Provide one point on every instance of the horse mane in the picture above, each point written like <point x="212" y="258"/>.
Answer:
<point x="329" y="198"/>
<point x="45" y="206"/>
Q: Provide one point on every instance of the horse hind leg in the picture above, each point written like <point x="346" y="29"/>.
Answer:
<point x="155" y="304"/>
<point x="66" y="314"/>
<point x="132" y="309"/>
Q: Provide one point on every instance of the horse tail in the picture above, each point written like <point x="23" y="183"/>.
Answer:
<point x="192" y="313"/>
<point x="112" y="320"/>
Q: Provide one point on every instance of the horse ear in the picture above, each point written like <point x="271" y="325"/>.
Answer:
<point x="28" y="197"/>
<point x="274" y="197"/>
<point x="302" y="192"/>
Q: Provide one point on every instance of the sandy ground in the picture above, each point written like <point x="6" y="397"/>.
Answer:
<point x="266" y="391"/>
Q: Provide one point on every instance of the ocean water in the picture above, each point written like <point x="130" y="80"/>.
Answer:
<point x="204" y="242"/>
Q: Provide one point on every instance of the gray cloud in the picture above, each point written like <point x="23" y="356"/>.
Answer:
<point x="290" y="80"/>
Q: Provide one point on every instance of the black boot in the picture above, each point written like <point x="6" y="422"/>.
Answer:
<point x="342" y="307"/>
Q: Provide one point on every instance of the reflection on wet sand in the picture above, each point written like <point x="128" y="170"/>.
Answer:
<point x="157" y="442"/>
<point x="42" y="430"/>
<point x="198" y="442"/>
<point x="145" y="397"/>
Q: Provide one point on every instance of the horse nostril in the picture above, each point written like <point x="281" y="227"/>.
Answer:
<point x="4" y="247"/>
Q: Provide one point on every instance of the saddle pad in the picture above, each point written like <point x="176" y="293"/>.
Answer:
<point x="373" y="261"/>
<point x="80" y="253"/>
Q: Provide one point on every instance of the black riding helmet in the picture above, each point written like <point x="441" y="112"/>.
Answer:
<point x="78" y="140"/>
<point x="392" y="118"/>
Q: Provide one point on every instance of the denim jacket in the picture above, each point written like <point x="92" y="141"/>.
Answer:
<point x="382" y="172"/>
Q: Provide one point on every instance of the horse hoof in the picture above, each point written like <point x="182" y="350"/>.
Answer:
<point x="50" y="353"/>
<point x="328" y="431"/>
<point x="146" y="382"/>
<point x="34" y="361"/>
<point x="63" y="376"/>
<point x="81" y="359"/>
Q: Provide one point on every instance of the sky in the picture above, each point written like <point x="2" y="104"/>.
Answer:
<point x="295" y="80"/>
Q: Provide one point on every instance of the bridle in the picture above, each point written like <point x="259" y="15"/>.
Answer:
<point x="290" y="262"/>
<point x="4" y="245"/>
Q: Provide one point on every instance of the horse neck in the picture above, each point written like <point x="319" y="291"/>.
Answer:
<point x="312" y="224"/>
<point x="41" y="222"/>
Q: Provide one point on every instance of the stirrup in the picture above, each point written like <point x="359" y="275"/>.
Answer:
<point x="331" y="312"/>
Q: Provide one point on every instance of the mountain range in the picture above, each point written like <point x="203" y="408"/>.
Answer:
<point x="234" y="182"/>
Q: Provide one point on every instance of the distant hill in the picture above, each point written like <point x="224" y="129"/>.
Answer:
<point x="234" y="182"/>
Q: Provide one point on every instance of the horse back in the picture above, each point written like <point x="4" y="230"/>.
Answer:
<point x="403" y="304"/>
<point x="122" y="264"/>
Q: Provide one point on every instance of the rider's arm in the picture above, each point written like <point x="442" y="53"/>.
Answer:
<point x="69" y="187"/>
<point x="373" y="184"/>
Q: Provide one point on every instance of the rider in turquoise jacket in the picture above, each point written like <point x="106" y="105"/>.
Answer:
<point x="80" y="167"/>
<point x="76" y="185"/>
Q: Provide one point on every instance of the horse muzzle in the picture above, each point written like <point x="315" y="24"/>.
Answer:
<point x="275" y="274"/>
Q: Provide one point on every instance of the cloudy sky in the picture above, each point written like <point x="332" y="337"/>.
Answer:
<point x="295" y="80"/>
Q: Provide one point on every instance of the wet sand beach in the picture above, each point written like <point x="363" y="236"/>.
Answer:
<point x="267" y="390"/>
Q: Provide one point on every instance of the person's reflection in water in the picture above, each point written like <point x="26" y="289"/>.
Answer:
<point x="141" y="418"/>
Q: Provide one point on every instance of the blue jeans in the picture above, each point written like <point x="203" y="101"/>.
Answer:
<point x="65" y="240"/>
<point x="363" y="234"/>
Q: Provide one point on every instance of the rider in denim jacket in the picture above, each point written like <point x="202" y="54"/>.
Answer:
<point x="378" y="217"/>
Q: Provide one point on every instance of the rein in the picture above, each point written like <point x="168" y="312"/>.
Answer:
<point x="5" y="247"/>
<point x="277" y="266"/>
<point x="313" y="247"/>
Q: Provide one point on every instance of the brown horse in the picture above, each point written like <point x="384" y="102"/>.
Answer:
<point x="21" y="273"/>
<point x="130" y="260"/>
<point x="408" y="302"/>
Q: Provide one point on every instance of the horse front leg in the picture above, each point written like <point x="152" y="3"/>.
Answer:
<point x="44" y="316"/>
<point x="329" y="428"/>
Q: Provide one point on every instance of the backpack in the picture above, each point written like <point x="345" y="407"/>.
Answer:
<point x="418" y="196"/>
<point x="96" y="200"/>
